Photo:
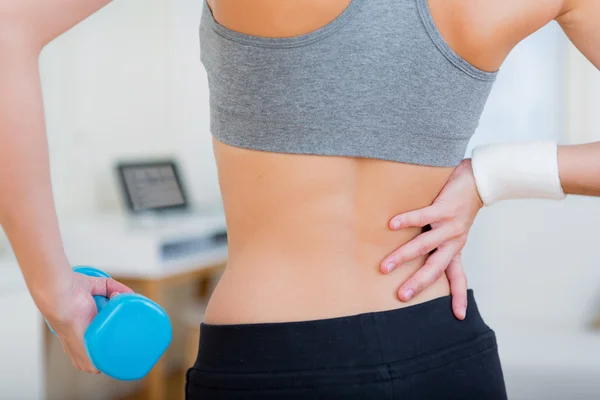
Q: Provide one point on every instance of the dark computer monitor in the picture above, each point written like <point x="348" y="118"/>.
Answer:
<point x="152" y="186"/>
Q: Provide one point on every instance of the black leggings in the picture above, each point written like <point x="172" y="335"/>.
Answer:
<point x="418" y="353"/>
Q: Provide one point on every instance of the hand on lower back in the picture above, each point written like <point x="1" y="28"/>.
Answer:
<point x="73" y="309"/>
<point x="450" y="217"/>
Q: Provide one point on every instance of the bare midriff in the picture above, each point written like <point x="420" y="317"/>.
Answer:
<point x="307" y="234"/>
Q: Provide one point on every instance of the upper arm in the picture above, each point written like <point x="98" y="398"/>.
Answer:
<point x="484" y="32"/>
<point x="37" y="22"/>
<point x="581" y="23"/>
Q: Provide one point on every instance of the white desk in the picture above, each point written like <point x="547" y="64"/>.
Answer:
<point x="21" y="338"/>
<point x="133" y="249"/>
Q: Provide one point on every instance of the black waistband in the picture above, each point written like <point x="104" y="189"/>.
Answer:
<point x="358" y="340"/>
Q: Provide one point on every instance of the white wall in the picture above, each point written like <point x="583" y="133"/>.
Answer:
<point x="21" y="347"/>
<point x="127" y="83"/>
<point x="190" y="100"/>
<point x="583" y="92"/>
<point x="534" y="260"/>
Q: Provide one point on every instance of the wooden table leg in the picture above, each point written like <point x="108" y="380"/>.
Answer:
<point x="156" y="379"/>
<point x="203" y="287"/>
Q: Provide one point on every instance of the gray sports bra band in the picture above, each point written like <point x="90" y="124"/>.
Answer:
<point x="379" y="82"/>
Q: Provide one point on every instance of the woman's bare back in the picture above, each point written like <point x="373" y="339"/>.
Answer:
<point x="308" y="233"/>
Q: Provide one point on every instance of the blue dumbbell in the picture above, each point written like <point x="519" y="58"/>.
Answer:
<point x="129" y="334"/>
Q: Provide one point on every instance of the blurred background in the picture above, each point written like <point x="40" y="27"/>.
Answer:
<point x="127" y="86"/>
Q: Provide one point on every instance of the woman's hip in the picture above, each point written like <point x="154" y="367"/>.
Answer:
<point x="407" y="353"/>
<point x="291" y="290"/>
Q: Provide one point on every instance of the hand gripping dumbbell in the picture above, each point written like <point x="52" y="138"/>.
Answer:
<point x="129" y="334"/>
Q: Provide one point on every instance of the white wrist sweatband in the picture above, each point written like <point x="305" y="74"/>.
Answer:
<point x="522" y="170"/>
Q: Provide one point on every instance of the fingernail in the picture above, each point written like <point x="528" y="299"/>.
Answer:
<point x="390" y="266"/>
<point x="462" y="313"/>
<point x="409" y="294"/>
<point x="395" y="224"/>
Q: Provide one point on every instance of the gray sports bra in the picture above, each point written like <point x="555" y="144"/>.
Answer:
<point x="377" y="82"/>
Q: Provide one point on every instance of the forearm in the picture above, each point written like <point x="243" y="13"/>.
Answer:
<point x="579" y="168"/>
<point x="579" y="165"/>
<point x="27" y="211"/>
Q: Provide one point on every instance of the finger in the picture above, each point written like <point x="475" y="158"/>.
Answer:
<point x="419" y="246"/>
<point x="458" y="286"/>
<point x="79" y="358"/>
<point x="115" y="286"/>
<point x="84" y="365"/>
<point x="421" y="217"/>
<point x="429" y="273"/>
<point x="107" y="286"/>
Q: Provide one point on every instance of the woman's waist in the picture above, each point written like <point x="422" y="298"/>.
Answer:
<point x="311" y="241"/>
<point x="276" y="286"/>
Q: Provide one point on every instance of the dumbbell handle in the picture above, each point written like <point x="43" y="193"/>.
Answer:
<point x="101" y="301"/>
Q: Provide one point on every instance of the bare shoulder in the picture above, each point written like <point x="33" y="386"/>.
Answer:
<point x="484" y="32"/>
